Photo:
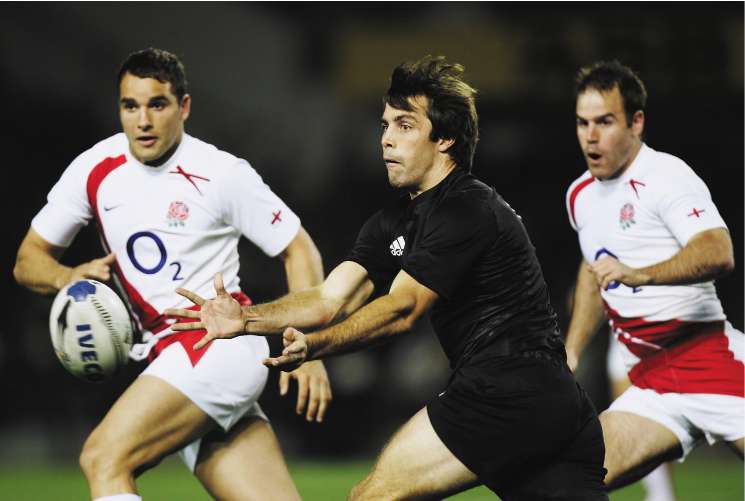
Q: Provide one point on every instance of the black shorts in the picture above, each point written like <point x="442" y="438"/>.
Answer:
<point x="524" y="426"/>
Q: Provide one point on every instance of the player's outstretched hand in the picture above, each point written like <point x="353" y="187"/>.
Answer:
<point x="313" y="389"/>
<point x="609" y="269"/>
<point x="220" y="317"/>
<point x="97" y="269"/>
<point x="294" y="354"/>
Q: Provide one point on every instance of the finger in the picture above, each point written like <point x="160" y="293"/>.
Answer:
<point x="284" y="383"/>
<point x="282" y="361"/>
<point x="219" y="285"/>
<point x="191" y="296"/>
<point x="181" y="312"/>
<point x="323" y="404"/>
<point x="108" y="259"/>
<point x="303" y="388"/>
<point x="188" y="326"/>
<point x="203" y="342"/>
<point x="295" y="348"/>
<point x="315" y="396"/>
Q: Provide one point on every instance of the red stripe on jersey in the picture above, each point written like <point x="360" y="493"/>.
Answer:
<point x="98" y="174"/>
<point x="147" y="315"/>
<point x="680" y="357"/>
<point x="189" y="338"/>
<point x="573" y="196"/>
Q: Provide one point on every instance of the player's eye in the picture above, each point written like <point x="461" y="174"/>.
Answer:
<point x="383" y="126"/>
<point x="405" y="126"/>
<point x="129" y="106"/>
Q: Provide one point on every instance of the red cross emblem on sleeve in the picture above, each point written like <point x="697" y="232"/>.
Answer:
<point x="696" y="212"/>
<point x="276" y="216"/>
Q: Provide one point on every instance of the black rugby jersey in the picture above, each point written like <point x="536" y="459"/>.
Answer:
<point x="463" y="241"/>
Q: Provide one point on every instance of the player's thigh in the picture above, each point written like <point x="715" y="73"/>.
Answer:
<point x="635" y="445"/>
<point x="737" y="446"/>
<point x="415" y="464"/>
<point x="149" y="420"/>
<point x="245" y="463"/>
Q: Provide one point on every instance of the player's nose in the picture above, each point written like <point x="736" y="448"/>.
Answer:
<point x="144" y="121"/>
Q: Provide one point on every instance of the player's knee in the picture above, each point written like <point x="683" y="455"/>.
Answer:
<point x="374" y="488"/>
<point x="98" y="459"/>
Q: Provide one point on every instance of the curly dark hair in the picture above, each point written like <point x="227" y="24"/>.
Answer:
<point x="158" y="64"/>
<point x="451" y="102"/>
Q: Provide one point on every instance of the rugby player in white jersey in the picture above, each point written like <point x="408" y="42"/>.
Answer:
<point x="170" y="210"/>
<point x="652" y="242"/>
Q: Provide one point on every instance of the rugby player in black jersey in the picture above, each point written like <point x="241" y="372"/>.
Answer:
<point x="512" y="416"/>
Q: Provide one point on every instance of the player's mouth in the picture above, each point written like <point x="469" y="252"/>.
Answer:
<point x="390" y="162"/>
<point x="147" y="141"/>
<point x="594" y="158"/>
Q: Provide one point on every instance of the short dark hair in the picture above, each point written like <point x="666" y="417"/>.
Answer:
<point x="452" y="107"/>
<point x="604" y="76"/>
<point x="158" y="64"/>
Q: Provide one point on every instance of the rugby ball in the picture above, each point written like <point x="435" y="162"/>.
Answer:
<point x="91" y="330"/>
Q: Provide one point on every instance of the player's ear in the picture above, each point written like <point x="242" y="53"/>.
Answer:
<point x="444" y="144"/>
<point x="185" y="106"/>
<point x="637" y="123"/>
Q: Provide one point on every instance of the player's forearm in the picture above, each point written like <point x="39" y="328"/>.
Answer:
<point x="305" y="309"/>
<point x="40" y="272"/>
<point x="378" y="321"/>
<point x="588" y="313"/>
<point x="707" y="256"/>
<point x="303" y="263"/>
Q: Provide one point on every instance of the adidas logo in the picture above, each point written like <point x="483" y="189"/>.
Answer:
<point x="397" y="246"/>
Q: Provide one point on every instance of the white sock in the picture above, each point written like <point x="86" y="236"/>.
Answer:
<point x="658" y="485"/>
<point x="120" y="497"/>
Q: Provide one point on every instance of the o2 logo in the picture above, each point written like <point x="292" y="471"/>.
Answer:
<point x="161" y="249"/>
<point x="613" y="285"/>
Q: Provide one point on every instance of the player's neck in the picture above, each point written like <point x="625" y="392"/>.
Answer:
<point x="434" y="177"/>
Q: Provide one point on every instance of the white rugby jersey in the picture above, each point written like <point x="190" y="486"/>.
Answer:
<point x="171" y="226"/>
<point x="643" y="217"/>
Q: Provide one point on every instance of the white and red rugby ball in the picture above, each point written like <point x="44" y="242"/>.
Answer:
<point x="91" y="330"/>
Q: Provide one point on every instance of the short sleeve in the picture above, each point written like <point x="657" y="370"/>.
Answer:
<point x="67" y="209"/>
<point x="455" y="235"/>
<point x="371" y="251"/>
<point x="686" y="207"/>
<point x="250" y="206"/>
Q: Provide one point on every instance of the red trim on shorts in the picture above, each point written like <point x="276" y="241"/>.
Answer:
<point x="189" y="338"/>
<point x="677" y="356"/>
<point x="573" y="196"/>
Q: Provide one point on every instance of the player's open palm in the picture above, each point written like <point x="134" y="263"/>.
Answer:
<point x="221" y="317"/>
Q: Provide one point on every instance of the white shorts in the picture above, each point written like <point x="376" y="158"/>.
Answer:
<point x="690" y="416"/>
<point x="614" y="361"/>
<point x="225" y="383"/>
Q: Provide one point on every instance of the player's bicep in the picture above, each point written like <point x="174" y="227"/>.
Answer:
<point x="419" y="297"/>
<point x="34" y="244"/>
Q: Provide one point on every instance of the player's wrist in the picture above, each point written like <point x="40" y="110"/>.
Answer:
<point x="63" y="277"/>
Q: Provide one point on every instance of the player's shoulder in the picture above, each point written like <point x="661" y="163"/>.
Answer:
<point x="468" y="199"/>
<point x="664" y="171"/>
<point x="112" y="148"/>
<point x="221" y="163"/>
<point x="579" y="185"/>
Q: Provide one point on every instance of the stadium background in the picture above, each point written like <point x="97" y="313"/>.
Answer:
<point x="295" y="89"/>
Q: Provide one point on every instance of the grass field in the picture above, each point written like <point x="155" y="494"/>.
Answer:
<point x="701" y="478"/>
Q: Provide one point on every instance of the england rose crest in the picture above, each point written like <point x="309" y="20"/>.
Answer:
<point x="627" y="216"/>
<point x="178" y="212"/>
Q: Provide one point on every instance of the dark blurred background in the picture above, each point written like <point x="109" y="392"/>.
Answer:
<point x="295" y="89"/>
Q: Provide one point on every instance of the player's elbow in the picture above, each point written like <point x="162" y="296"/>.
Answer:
<point x="20" y="272"/>
<point x="725" y="265"/>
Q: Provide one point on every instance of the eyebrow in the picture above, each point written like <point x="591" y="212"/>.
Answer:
<point x="398" y="118"/>
<point x="611" y="115"/>
<point x="155" y="99"/>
